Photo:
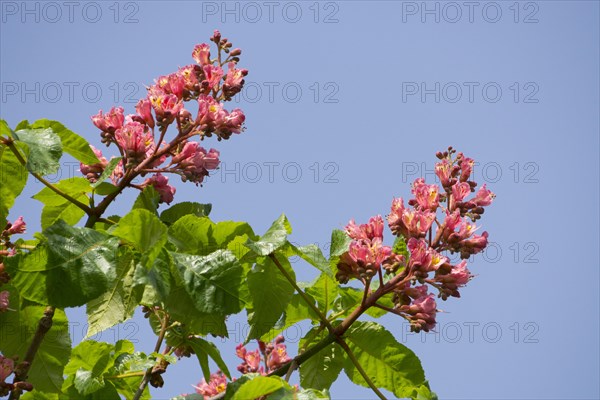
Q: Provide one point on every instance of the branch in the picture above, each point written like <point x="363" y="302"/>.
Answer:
<point x="43" y="327"/>
<point x="11" y="145"/>
<point x="163" y="330"/>
<point x="311" y="304"/>
<point x="359" y="367"/>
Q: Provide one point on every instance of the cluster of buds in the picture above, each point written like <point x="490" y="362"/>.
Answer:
<point x="426" y="239"/>
<point x="7" y="368"/>
<point x="274" y="355"/>
<point x="367" y="252"/>
<point x="217" y="384"/>
<point x="145" y="150"/>
<point x="7" y="249"/>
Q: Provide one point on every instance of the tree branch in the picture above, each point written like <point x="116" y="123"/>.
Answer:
<point x="164" y="324"/>
<point x="11" y="145"/>
<point x="311" y="304"/>
<point x="359" y="367"/>
<point x="43" y="327"/>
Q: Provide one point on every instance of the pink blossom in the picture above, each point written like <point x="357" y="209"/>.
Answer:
<point x="161" y="184"/>
<point x="476" y="244"/>
<point x="190" y="78"/>
<point x="166" y="106"/>
<point x="234" y="80"/>
<point x="409" y="222"/>
<point x="460" y="274"/>
<point x="93" y="171"/>
<point x="427" y="196"/>
<point x="452" y="221"/>
<point x="4" y="301"/>
<point x="216" y="385"/>
<point x="423" y="257"/>
<point x="466" y="168"/>
<point x="144" y="110"/>
<point x="233" y="121"/>
<point x="443" y="170"/>
<point x="201" y="54"/>
<point x="212" y="75"/>
<point x="135" y="140"/>
<point x="422" y="313"/>
<point x="483" y="197"/>
<point x="110" y="121"/>
<point x="460" y="191"/>
<point x="369" y="255"/>
<point x="210" y="112"/>
<point x="195" y="162"/>
<point x="17" y="227"/>
<point x="7" y="366"/>
<point x="371" y="230"/>
<point x="277" y="357"/>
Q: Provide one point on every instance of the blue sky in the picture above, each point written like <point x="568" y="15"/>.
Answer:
<point x="347" y="103"/>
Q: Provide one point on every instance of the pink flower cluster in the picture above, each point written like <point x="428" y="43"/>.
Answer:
<point x="273" y="354"/>
<point x="217" y="384"/>
<point x="426" y="237"/>
<point x="145" y="151"/>
<point x="4" y="296"/>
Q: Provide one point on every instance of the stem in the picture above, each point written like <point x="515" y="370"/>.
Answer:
<point x="360" y="369"/>
<point x="291" y="369"/>
<point x="11" y="145"/>
<point x="127" y="375"/>
<point x="310" y="303"/>
<point x="300" y="358"/>
<point x="366" y="293"/>
<point x="97" y="212"/>
<point x="163" y="330"/>
<point x="43" y="327"/>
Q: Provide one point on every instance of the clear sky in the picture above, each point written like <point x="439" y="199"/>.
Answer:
<point x="346" y="103"/>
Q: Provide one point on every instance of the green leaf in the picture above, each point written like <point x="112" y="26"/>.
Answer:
<point x="5" y="129"/>
<point x="400" y="247"/>
<point x="105" y="188"/>
<point x="38" y="395"/>
<point x="57" y="207"/>
<point x="202" y="348"/>
<point x="260" y="386"/>
<point x="322" y="369"/>
<point x="17" y="329"/>
<point x="112" y="164"/>
<point x="270" y="293"/>
<point x="324" y="290"/>
<point x="164" y="287"/>
<point x="119" y="302"/>
<point x="147" y="200"/>
<point x="145" y="231"/>
<point x="13" y="177"/>
<point x="72" y="143"/>
<point x="172" y="214"/>
<point x="201" y="236"/>
<point x="214" y="282"/>
<point x="312" y="394"/>
<point x="389" y="364"/>
<point x="350" y="298"/>
<point x="193" y="396"/>
<point x="79" y="261"/>
<point x="45" y="149"/>
<point x="297" y="310"/>
<point x="273" y="239"/>
<point x="340" y="242"/>
<point x="313" y="255"/>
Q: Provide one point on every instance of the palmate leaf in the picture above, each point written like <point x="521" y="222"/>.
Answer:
<point x="270" y="293"/>
<point x="201" y="236"/>
<point x="261" y="386"/>
<point x="204" y="350"/>
<point x="72" y="143"/>
<point x="163" y="286"/>
<point x="273" y="239"/>
<point x="13" y="177"/>
<point x="322" y="369"/>
<point x="119" y="302"/>
<point x="297" y="310"/>
<point x="79" y="261"/>
<point x="17" y="329"/>
<point x="389" y="364"/>
<point x="144" y="231"/>
<point x="214" y="282"/>
<point x="45" y="149"/>
<point x="325" y="290"/>
<point x="57" y="207"/>
<point x="179" y="210"/>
